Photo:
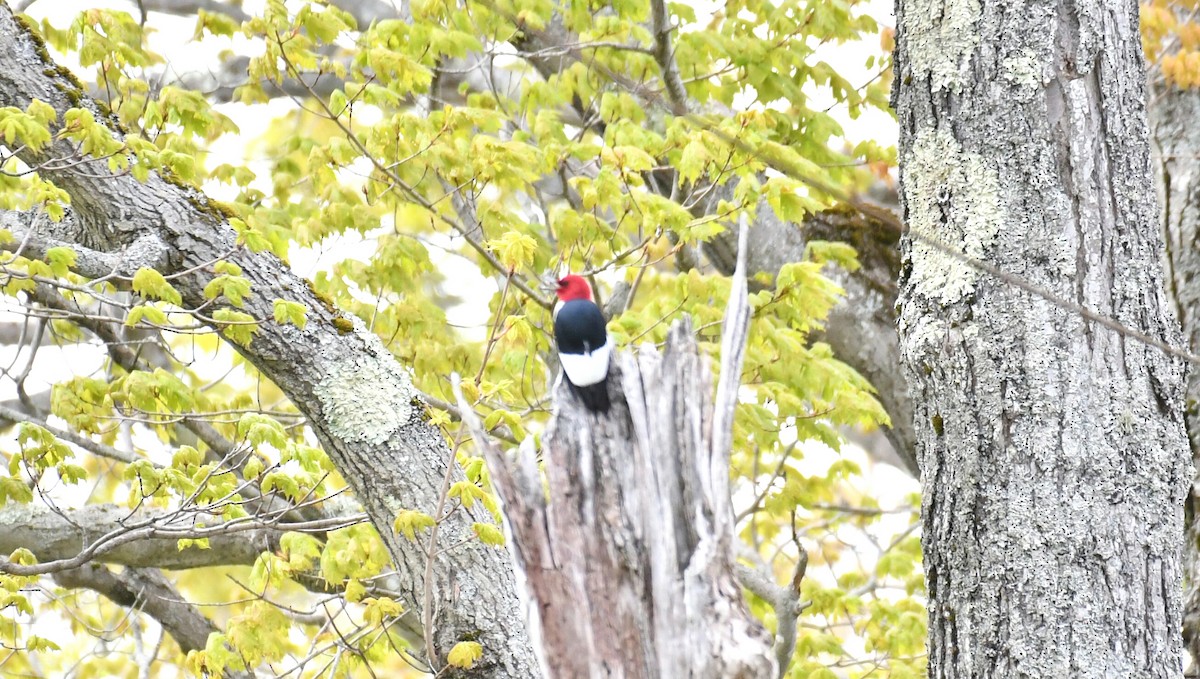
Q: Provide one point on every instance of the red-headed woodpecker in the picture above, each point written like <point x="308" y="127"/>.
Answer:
<point x="583" y="344"/>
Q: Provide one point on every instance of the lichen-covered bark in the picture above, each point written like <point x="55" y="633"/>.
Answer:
<point x="357" y="399"/>
<point x="1173" y="116"/>
<point x="1052" y="451"/>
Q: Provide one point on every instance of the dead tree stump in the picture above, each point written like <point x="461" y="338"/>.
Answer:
<point x="626" y="551"/>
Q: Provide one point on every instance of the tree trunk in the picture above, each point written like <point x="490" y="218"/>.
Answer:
<point x="629" y="562"/>
<point x="1173" y="123"/>
<point x="1052" y="449"/>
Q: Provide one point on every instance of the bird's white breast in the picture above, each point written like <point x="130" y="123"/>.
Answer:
<point x="585" y="370"/>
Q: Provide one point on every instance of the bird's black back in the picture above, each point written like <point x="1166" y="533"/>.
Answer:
<point x="579" y="314"/>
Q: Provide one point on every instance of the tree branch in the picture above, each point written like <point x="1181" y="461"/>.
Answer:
<point x="62" y="540"/>
<point x="785" y="601"/>
<point x="130" y="360"/>
<point x="94" y="447"/>
<point x="360" y="404"/>
<point x="33" y="235"/>
<point x="190" y="7"/>
<point x="734" y="333"/>
<point x="664" y="54"/>
<point x="148" y="591"/>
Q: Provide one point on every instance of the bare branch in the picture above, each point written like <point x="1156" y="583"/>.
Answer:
<point x="784" y="599"/>
<point x="734" y="334"/>
<point x="130" y="360"/>
<point x="94" y="447"/>
<point x="367" y="12"/>
<point x="18" y="333"/>
<point x="149" y="591"/>
<point x="664" y="54"/>
<point x="114" y="535"/>
<point x="220" y="83"/>
<point x="190" y="7"/>
<point x="33" y="405"/>
<point x="33" y="235"/>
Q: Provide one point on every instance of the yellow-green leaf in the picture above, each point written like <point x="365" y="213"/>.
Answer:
<point x="489" y="534"/>
<point x="465" y="654"/>
<point x="290" y="312"/>
<point x="150" y="283"/>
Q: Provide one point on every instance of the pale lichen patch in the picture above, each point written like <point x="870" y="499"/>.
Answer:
<point x="1023" y="69"/>
<point x="923" y="336"/>
<point x="953" y="199"/>
<point x="367" y="395"/>
<point x="392" y="504"/>
<point x="941" y="39"/>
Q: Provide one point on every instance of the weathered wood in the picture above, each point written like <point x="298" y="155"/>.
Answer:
<point x="628" y="558"/>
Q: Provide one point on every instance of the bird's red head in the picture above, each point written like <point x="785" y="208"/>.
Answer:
<point x="573" y="287"/>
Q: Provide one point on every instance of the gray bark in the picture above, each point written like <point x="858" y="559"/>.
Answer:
<point x="1052" y="450"/>
<point x="360" y="403"/>
<point x="628" y="563"/>
<point x="143" y="539"/>
<point x="1173" y="117"/>
<point x="628" y="560"/>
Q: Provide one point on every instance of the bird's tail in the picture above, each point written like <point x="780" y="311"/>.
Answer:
<point x="593" y="396"/>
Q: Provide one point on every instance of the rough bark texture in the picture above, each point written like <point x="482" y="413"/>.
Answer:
<point x="1173" y="119"/>
<point x="1053" y="454"/>
<point x="628" y="563"/>
<point x="360" y="403"/>
<point x="145" y="538"/>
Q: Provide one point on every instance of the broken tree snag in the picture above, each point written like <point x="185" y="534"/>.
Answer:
<point x="626" y="553"/>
